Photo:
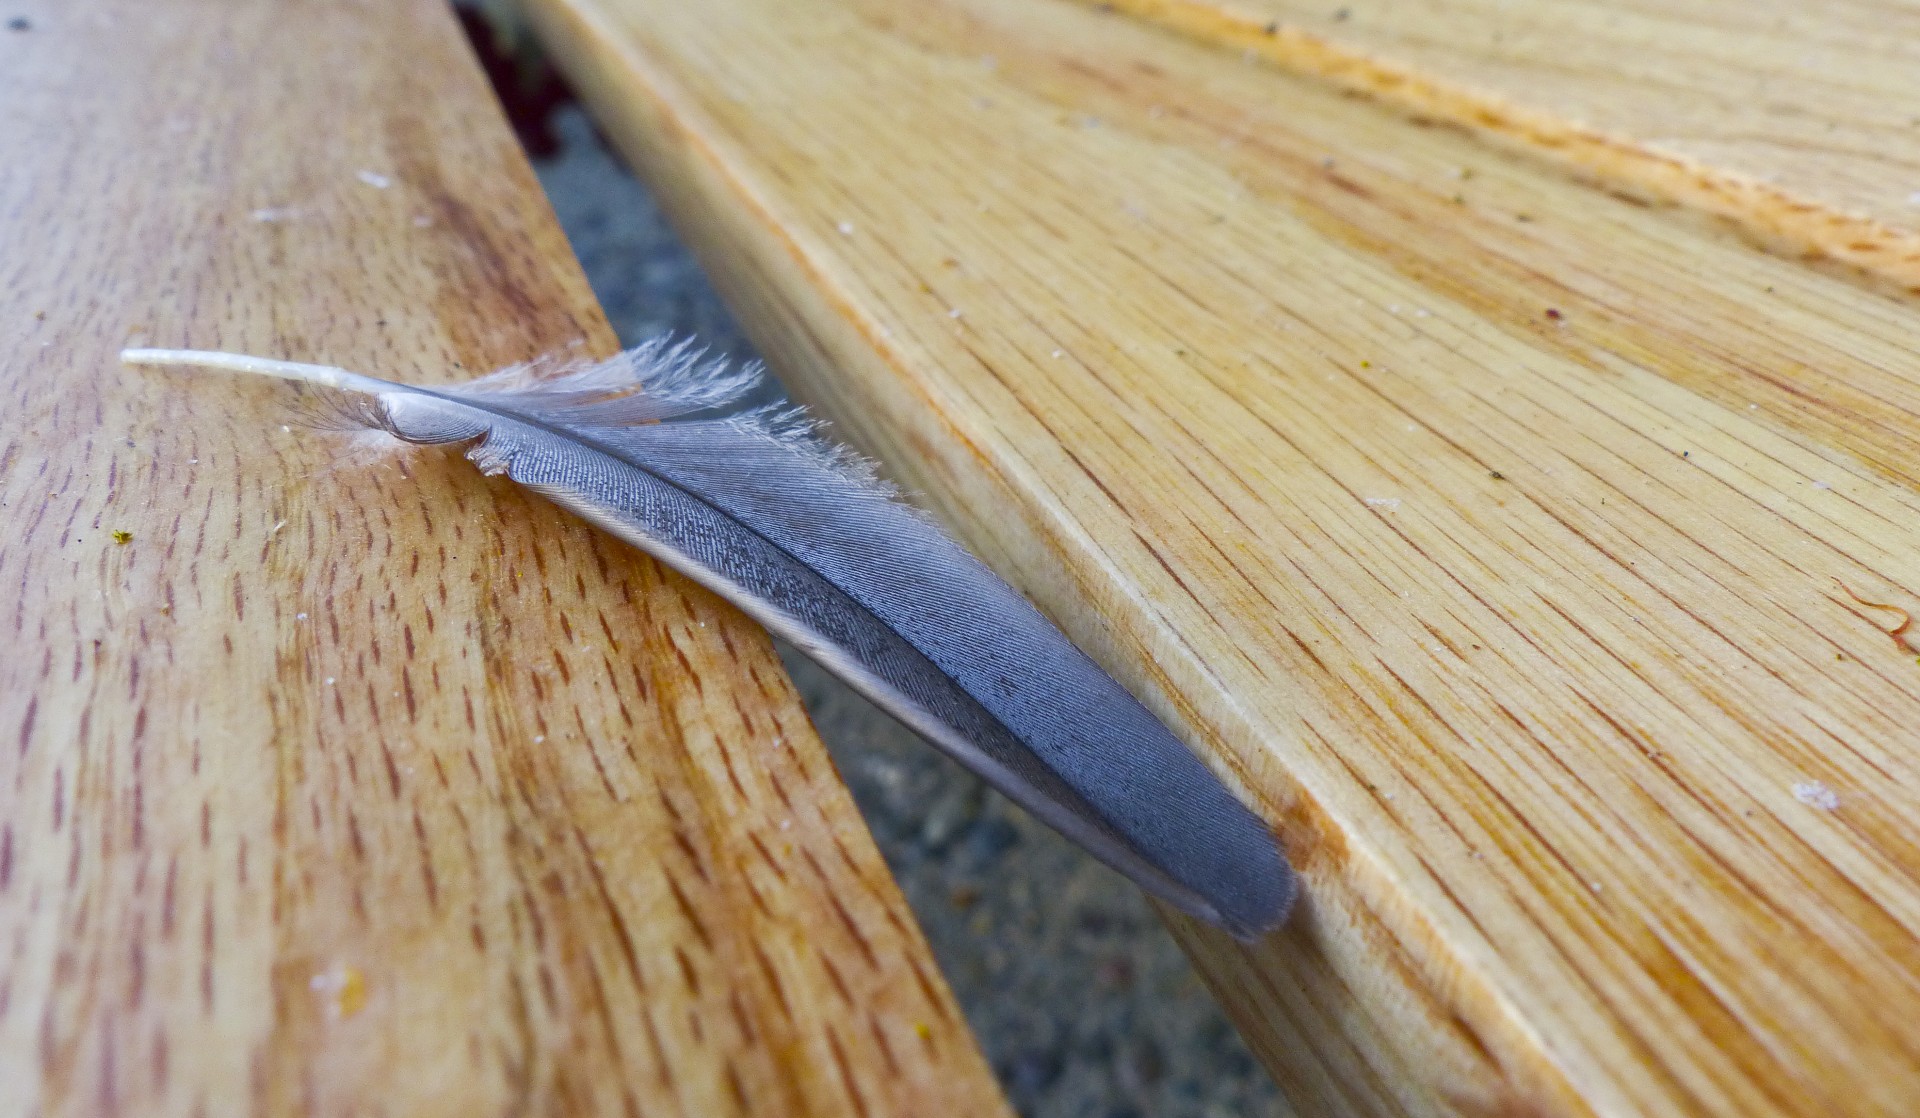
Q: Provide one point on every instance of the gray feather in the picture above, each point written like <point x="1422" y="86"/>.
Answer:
<point x="800" y="534"/>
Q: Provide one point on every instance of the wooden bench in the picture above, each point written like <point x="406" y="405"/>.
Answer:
<point x="1533" y="547"/>
<point x="338" y="779"/>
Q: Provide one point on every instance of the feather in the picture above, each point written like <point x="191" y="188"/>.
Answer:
<point x="802" y="536"/>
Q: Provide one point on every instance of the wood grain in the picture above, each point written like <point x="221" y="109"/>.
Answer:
<point x="1798" y="123"/>
<point x="337" y="779"/>
<point x="1483" y="527"/>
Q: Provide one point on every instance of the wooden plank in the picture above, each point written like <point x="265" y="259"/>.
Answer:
<point x="1482" y="526"/>
<point x="339" y="780"/>
<point x="1799" y="123"/>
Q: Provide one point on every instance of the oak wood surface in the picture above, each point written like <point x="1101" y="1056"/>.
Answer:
<point x="1500" y="537"/>
<point x="338" y="779"/>
<point x="1798" y="123"/>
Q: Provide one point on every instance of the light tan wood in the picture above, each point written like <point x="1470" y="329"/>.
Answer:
<point x="1482" y="526"/>
<point x="1800" y="123"/>
<point x="338" y="779"/>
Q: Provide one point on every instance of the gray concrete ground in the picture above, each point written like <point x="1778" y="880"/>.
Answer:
<point x="1083" y="1004"/>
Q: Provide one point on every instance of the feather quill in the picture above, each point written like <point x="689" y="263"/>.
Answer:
<point x="802" y="536"/>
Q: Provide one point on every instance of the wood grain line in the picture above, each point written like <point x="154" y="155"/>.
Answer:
<point x="1785" y="221"/>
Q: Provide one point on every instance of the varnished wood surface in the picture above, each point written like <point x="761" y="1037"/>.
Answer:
<point x="1797" y="123"/>
<point x="1498" y="535"/>
<point x="338" y="779"/>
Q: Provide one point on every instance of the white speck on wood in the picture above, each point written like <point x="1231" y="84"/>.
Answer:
<point x="1815" y="794"/>
<point x="374" y="179"/>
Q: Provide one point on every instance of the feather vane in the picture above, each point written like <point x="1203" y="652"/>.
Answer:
<point x="654" y="447"/>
